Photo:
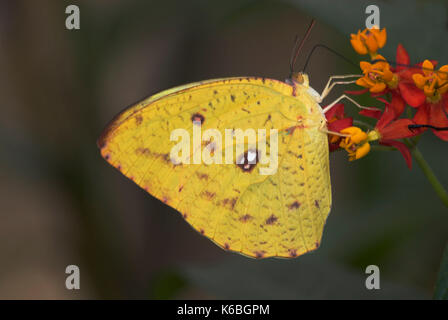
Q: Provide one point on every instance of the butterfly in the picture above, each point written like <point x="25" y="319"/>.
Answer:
<point x="276" y="215"/>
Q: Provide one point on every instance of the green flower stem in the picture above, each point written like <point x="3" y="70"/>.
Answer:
<point x="427" y="171"/>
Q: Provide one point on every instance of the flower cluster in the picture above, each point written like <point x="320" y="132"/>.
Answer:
<point x="420" y="88"/>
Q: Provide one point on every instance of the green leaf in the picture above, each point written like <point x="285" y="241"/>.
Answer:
<point x="441" y="291"/>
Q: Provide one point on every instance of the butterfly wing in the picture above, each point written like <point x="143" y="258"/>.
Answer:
<point x="235" y="206"/>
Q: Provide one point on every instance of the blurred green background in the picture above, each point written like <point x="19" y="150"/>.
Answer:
<point x="62" y="204"/>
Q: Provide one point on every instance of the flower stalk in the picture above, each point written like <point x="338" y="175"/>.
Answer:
<point x="429" y="174"/>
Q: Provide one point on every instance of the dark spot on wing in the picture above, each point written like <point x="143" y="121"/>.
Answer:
<point x="138" y="119"/>
<point x="229" y="202"/>
<point x="294" y="205"/>
<point x="166" y="157"/>
<point x="246" y="218"/>
<point x="209" y="195"/>
<point x="143" y="151"/>
<point x="271" y="220"/>
<point x="202" y="176"/>
<point x="245" y="164"/>
<point x="292" y="253"/>
<point x="197" y="117"/>
<point x="316" y="203"/>
<point x="226" y="246"/>
<point x="259" y="254"/>
<point x="232" y="97"/>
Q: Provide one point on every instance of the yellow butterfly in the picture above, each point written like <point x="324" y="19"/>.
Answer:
<point x="277" y="215"/>
<point x="280" y="215"/>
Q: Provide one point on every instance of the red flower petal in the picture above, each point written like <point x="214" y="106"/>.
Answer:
<point x="333" y="146"/>
<point x="402" y="148"/>
<point x="379" y="94"/>
<point x="397" y="104"/>
<point x="407" y="73"/>
<point x="387" y="116"/>
<point x="376" y="114"/>
<point x="411" y="94"/>
<point x="397" y="129"/>
<point x="438" y="118"/>
<point x="402" y="58"/>
<point x="338" y="125"/>
<point x="357" y="92"/>
<point x="337" y="111"/>
<point x="422" y="115"/>
<point x="445" y="102"/>
<point x="382" y="100"/>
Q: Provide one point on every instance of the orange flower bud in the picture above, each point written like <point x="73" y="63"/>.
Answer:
<point x="368" y="41"/>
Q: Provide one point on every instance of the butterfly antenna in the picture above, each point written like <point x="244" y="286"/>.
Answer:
<point x="329" y="49"/>
<point x="416" y="126"/>
<point x="298" y="47"/>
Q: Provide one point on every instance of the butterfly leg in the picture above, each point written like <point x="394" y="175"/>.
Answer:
<point x="334" y="133"/>
<point x="330" y="85"/>
<point x="344" y="96"/>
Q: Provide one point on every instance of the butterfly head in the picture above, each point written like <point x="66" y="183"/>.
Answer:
<point x="300" y="78"/>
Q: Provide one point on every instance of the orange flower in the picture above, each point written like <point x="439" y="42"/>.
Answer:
<point x="368" y="41"/>
<point x="433" y="113"/>
<point x="377" y="76"/>
<point x="356" y="143"/>
<point x="433" y="83"/>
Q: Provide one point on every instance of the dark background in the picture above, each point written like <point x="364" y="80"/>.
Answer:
<point x="62" y="204"/>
